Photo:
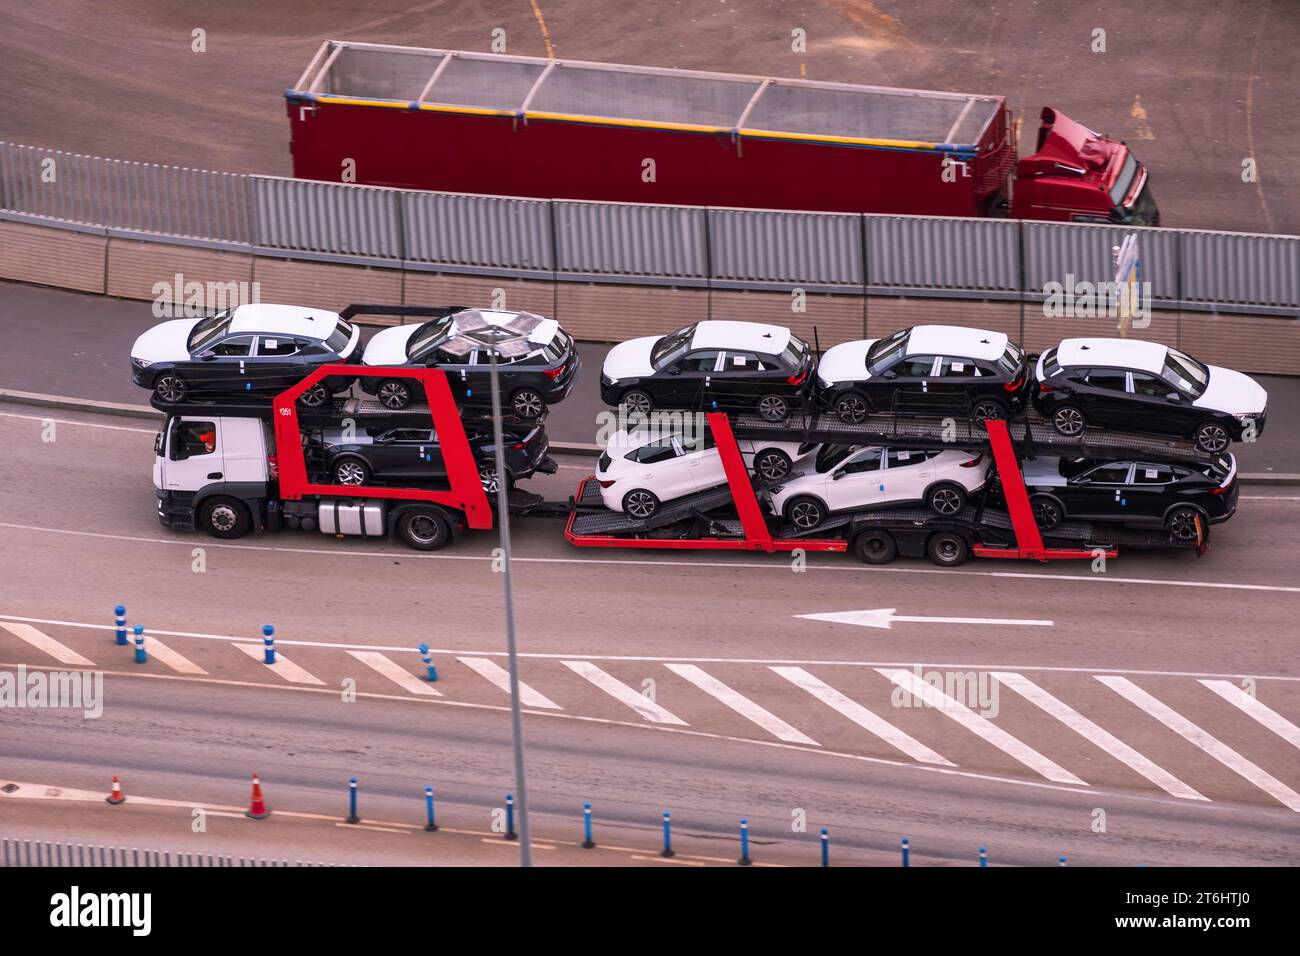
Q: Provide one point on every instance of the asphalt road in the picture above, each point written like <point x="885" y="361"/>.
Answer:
<point x="742" y="708"/>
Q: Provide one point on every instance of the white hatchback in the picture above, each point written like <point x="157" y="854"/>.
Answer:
<point x="846" y="478"/>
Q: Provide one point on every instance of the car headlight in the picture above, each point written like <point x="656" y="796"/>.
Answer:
<point x="140" y="363"/>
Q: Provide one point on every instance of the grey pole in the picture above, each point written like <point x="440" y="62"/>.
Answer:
<point x="503" y="523"/>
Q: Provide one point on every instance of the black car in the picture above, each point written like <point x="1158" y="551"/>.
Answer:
<point x="937" y="368"/>
<point x="1135" y="492"/>
<point x="412" y="455"/>
<point x="738" y="366"/>
<point x="260" y="349"/>
<point x="537" y="361"/>
<point x="1131" y="385"/>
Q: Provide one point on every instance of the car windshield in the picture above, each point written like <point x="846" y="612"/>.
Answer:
<point x="1124" y="181"/>
<point x="883" y="352"/>
<point x="1185" y="373"/>
<point x="832" y="456"/>
<point x="428" y="335"/>
<point x="668" y="346"/>
<point x="208" y="330"/>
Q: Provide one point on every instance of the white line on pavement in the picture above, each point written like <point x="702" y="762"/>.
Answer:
<point x="980" y="726"/>
<point x="1197" y="737"/>
<point x="494" y="673"/>
<point x="623" y="693"/>
<point x="173" y="659"/>
<point x="864" y="718"/>
<point x="1255" y="708"/>
<point x="70" y="421"/>
<point x="1097" y="735"/>
<point x="741" y="704"/>
<point x="43" y="642"/>
<point x="396" y="673"/>
<point x="282" y="667"/>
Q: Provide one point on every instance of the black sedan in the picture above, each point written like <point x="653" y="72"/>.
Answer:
<point x="260" y="349"/>
<point x="1137" y="493"/>
<point x="737" y="366"/>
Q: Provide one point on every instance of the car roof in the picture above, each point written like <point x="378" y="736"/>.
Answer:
<point x="1114" y="353"/>
<point x="956" y="340"/>
<point x="284" y="320"/>
<point x="751" y="336"/>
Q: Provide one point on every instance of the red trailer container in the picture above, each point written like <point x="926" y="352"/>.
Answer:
<point x="523" y="126"/>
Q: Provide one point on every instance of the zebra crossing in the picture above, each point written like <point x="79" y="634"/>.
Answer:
<point x="1198" y="739"/>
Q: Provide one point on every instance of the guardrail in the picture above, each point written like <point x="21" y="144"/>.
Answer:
<point x="27" y="853"/>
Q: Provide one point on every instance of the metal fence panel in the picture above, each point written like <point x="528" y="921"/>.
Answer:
<point x="331" y="218"/>
<point x="480" y="232"/>
<point x="37" y="853"/>
<point x="905" y="252"/>
<point x="1220" y="267"/>
<point x="598" y="240"/>
<point x="1055" y="251"/>
<point x="755" y="248"/>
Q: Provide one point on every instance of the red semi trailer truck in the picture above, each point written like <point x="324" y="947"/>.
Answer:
<point x="562" y="129"/>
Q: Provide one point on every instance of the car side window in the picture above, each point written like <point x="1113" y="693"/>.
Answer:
<point x="1115" y="473"/>
<point x="903" y="457"/>
<point x="917" y="366"/>
<point x="958" y="368"/>
<point x="656" y="451"/>
<point x="272" y="345"/>
<point x="866" y="460"/>
<point x="1149" y="385"/>
<point x="235" y="345"/>
<point x="746" y="362"/>
<point x="699" y="362"/>
<point x="1151" y="474"/>
<point x="1108" y="378"/>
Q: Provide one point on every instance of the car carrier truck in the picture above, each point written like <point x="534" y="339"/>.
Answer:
<point x="563" y="129"/>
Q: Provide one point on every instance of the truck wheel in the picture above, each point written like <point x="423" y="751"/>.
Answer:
<point x="946" y="498"/>
<point x="528" y="403"/>
<point x="225" y="517"/>
<point x="1212" y="437"/>
<point x="805" y="513"/>
<point x="170" y="388"/>
<point x="1047" y="511"/>
<point x="773" y="408"/>
<point x="772" y="464"/>
<point x="424" y="530"/>
<point x="875" y="547"/>
<point x="947" y="548"/>
<point x="852" y="408"/>
<point x="393" y="394"/>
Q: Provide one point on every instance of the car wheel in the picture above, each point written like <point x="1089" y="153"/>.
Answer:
<point x="987" y="408"/>
<point x="773" y="408"/>
<point x="947" y="548"/>
<point x="170" y="388"/>
<point x="640" y="504"/>
<point x="487" y="476"/>
<point x="1069" y="421"/>
<point x="424" y="530"/>
<point x="772" y="464"/>
<point x="946" y="499"/>
<point x="1212" y="437"/>
<point x="875" y="547"/>
<point x="1182" y="524"/>
<point x="314" y="397"/>
<point x="637" y="401"/>
<point x="528" y="403"/>
<point x="225" y="517"/>
<point x="1047" y="511"/>
<point x="351" y="471"/>
<point x="805" y="513"/>
<point x="393" y="394"/>
<point x="852" y="408"/>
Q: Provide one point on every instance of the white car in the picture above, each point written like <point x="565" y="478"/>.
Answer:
<point x="843" y="478"/>
<point x="642" y="469"/>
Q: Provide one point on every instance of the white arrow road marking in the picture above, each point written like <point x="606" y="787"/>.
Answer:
<point x="1262" y="712"/>
<point x="884" y="617"/>
<point x="622" y="693"/>
<point x="980" y="726"/>
<point x="494" y="673"/>
<point x="396" y="673"/>
<point x="864" y="718"/>
<point x="43" y="642"/>
<point x="1094" y="734"/>
<point x="283" y="666"/>
<point x="741" y="704"/>
<point x="1197" y="737"/>
<point x="173" y="659"/>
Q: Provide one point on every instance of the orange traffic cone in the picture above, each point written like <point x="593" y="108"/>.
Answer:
<point x="116" y="795"/>
<point x="257" y="808"/>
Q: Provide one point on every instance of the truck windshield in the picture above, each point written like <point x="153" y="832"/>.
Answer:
<point x="1185" y="373"/>
<point x="1125" y="180"/>
<point x="208" y="330"/>
<point x="671" y="344"/>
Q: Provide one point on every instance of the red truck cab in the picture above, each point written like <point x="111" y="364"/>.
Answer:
<point x="1078" y="175"/>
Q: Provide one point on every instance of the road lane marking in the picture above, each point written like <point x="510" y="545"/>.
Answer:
<point x="980" y="726"/>
<point x="43" y="642"/>
<point x="494" y="673"/>
<point x="282" y="667"/>
<point x="864" y="718"/>
<point x="69" y="421"/>
<point x="1199" y="738"/>
<point x="741" y="704"/>
<point x="501" y="841"/>
<point x="396" y="673"/>
<point x="1252" y="707"/>
<point x="173" y="659"/>
<point x="1097" y="736"/>
<point x="623" y="693"/>
<point x="883" y="617"/>
<point x="368" y="826"/>
<point x="664" y="859"/>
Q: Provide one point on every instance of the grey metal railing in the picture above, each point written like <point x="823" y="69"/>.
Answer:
<point x="14" y="853"/>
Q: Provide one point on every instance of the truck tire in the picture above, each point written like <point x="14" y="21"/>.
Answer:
<point x="876" y="546"/>
<point x="224" y="517"/>
<point x="947" y="549"/>
<point x="424" y="529"/>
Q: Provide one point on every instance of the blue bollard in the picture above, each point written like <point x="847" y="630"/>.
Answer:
<point x="268" y="644"/>
<point x="431" y="826"/>
<point x="744" y="843"/>
<point x="352" y="802"/>
<point x="906" y="852"/>
<point x="119" y="622"/>
<point x="431" y="672"/>
<point x="984" y="857"/>
<point x="1062" y="861"/>
<point x="510" y="817"/>
<point x="826" y="847"/>
<point x="587" y="841"/>
<point x="140" y="656"/>
<point x="667" y="851"/>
